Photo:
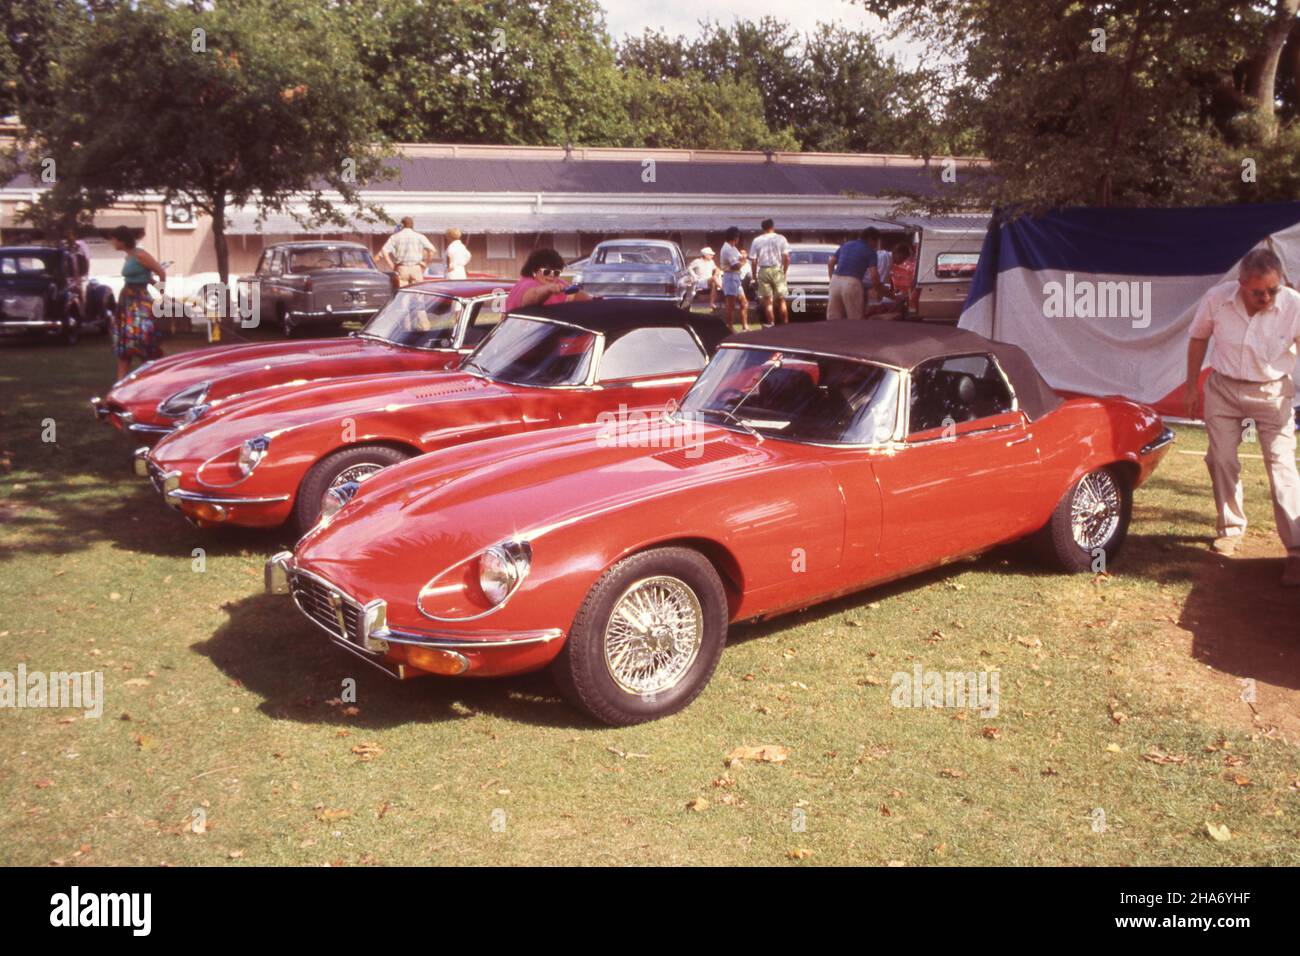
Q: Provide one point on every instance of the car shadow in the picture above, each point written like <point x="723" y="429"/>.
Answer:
<point x="276" y="653"/>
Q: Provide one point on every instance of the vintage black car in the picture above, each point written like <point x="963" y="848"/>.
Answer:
<point x="41" y="292"/>
<point x="317" y="283"/>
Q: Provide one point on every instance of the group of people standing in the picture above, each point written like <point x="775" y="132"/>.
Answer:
<point x="409" y="254"/>
<point x="855" y="264"/>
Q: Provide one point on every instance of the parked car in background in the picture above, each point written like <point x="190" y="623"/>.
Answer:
<point x="42" y="292"/>
<point x="808" y="461"/>
<point x="300" y="284"/>
<point x="425" y="327"/>
<point x="648" y="269"/>
<point x="947" y="253"/>
<point x="276" y="454"/>
<point x="807" y="277"/>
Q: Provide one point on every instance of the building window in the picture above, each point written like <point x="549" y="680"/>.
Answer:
<point x="500" y="247"/>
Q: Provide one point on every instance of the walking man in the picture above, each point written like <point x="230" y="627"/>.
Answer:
<point x="408" y="252"/>
<point x="771" y="255"/>
<point x="1255" y="325"/>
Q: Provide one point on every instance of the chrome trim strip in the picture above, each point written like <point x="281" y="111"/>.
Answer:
<point x="179" y="494"/>
<point x="1166" y="438"/>
<point x="149" y="429"/>
<point x="520" y="638"/>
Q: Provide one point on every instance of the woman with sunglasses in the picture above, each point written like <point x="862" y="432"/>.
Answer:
<point x="540" y="282"/>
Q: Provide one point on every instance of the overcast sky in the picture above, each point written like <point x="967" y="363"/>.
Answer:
<point x="683" y="16"/>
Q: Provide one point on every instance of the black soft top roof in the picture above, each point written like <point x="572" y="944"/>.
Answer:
<point x="907" y="345"/>
<point x="615" y="318"/>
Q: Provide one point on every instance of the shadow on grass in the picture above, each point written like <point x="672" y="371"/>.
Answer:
<point x="276" y="653"/>
<point x="1243" y="622"/>
<point x="53" y="520"/>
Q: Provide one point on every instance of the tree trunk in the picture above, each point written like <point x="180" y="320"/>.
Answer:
<point x="219" y="237"/>
<point x="1261" y="82"/>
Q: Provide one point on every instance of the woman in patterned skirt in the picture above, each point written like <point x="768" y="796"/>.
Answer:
<point x="137" y="334"/>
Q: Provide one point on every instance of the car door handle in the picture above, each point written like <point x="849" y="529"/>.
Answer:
<point x="1018" y="441"/>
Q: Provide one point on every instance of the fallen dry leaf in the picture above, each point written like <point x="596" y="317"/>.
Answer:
<point x="767" y="753"/>
<point x="699" y="805"/>
<point x="1220" y="833"/>
<point x="1158" y="756"/>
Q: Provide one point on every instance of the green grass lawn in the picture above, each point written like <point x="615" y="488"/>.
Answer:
<point x="1121" y="731"/>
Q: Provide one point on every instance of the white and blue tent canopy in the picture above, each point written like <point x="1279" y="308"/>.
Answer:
<point x="1102" y="299"/>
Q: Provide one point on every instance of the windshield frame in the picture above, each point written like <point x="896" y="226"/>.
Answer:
<point x="458" y="333"/>
<point x="597" y="353"/>
<point x="900" y="387"/>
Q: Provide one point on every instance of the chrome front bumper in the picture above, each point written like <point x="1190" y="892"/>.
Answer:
<point x="167" y="484"/>
<point x="127" y="420"/>
<point x="363" y="628"/>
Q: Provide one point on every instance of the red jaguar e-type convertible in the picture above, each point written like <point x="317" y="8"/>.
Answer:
<point x="807" y="462"/>
<point x="279" y="453"/>
<point x="424" y="327"/>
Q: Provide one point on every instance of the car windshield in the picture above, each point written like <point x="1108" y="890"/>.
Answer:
<point x="25" y="265"/>
<point x="416" y="320"/>
<point x="640" y="255"/>
<point x="796" y="395"/>
<point x="534" y="352"/>
<point x="325" y="257"/>
<point x="810" y="257"/>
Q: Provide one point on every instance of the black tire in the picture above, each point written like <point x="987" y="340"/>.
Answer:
<point x="307" y="506"/>
<point x="581" y="670"/>
<point x="1055" y="543"/>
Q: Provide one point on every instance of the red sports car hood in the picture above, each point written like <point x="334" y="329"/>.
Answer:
<point x="237" y="367"/>
<point x="277" y="410"/>
<point x="444" y="507"/>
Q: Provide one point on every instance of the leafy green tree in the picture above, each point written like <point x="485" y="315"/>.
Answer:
<point x="691" y="111"/>
<point x="489" y="71"/>
<point x="229" y="103"/>
<point x="1128" y="102"/>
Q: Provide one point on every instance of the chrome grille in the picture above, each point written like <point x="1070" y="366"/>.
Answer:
<point x="327" y="606"/>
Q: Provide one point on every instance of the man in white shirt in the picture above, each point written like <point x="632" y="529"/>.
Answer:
<point x="408" y="252"/>
<point x="705" y="273"/>
<point x="771" y="255"/>
<point x="1255" y="324"/>
<point x="457" y="255"/>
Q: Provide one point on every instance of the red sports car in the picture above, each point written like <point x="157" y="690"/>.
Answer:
<point x="424" y="327"/>
<point x="807" y="462"/>
<point x="280" y="453"/>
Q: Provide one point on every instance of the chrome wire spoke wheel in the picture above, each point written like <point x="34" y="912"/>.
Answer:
<point x="654" y="635"/>
<point x="1095" y="510"/>
<point x="358" y="473"/>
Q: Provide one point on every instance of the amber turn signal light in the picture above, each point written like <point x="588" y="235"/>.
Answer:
<point x="437" y="662"/>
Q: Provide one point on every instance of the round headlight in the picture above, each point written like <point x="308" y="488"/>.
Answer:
<point x="497" y="575"/>
<point x="337" y="497"/>
<point x="251" y="452"/>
